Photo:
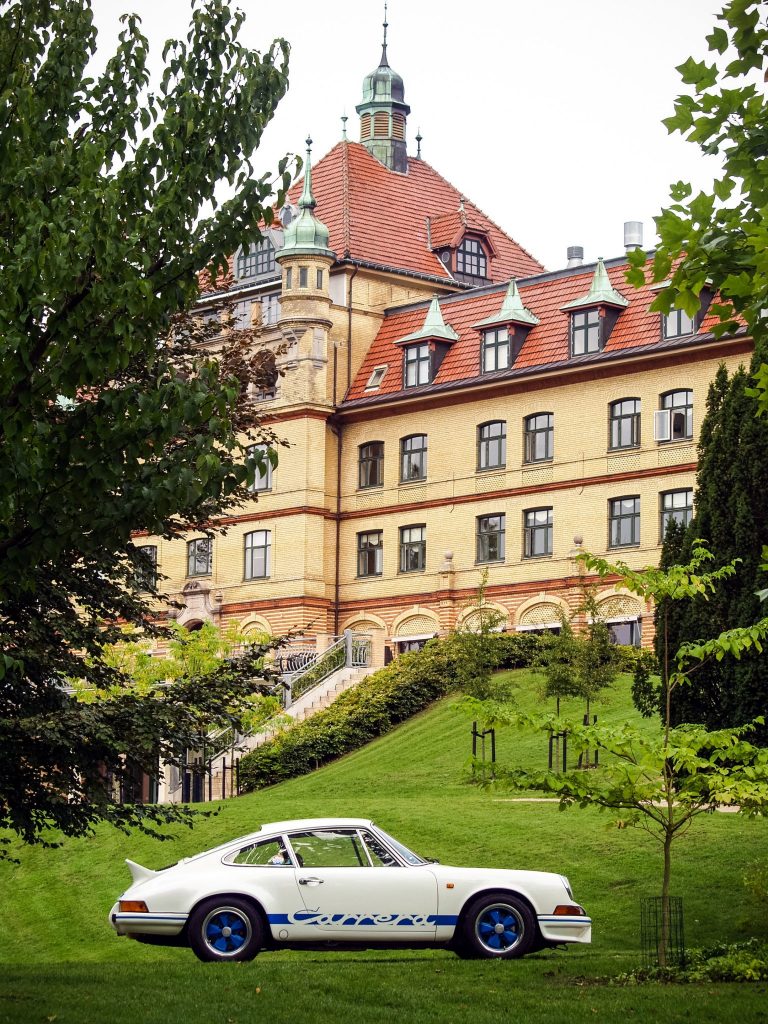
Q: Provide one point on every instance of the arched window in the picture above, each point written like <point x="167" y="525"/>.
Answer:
<point x="539" y="437"/>
<point x="492" y="445"/>
<point x="370" y="464"/>
<point x="413" y="458"/>
<point x="624" y="423"/>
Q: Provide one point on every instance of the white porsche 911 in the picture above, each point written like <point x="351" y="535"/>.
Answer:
<point x="342" y="882"/>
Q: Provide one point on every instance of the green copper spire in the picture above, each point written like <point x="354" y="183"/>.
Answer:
<point x="512" y="311"/>
<point x="306" y="235"/>
<point x="434" y="328"/>
<point x="601" y="292"/>
<point x="384" y="113"/>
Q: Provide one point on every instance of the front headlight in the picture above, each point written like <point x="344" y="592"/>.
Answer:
<point x="567" y="885"/>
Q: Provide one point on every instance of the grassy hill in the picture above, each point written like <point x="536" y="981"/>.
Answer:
<point x="53" y="912"/>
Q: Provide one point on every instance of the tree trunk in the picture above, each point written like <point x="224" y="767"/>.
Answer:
<point x="665" y="922"/>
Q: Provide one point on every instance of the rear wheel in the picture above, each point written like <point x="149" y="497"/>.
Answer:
<point x="225" y="929"/>
<point x="497" y="926"/>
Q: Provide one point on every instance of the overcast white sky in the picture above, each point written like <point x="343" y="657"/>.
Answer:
<point x="546" y="114"/>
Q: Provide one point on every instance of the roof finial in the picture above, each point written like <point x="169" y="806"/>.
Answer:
<point x="384" y="61"/>
<point x="418" y="143"/>
<point x="344" y="127"/>
<point x="307" y="201"/>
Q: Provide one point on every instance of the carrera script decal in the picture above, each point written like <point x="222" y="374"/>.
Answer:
<point x="320" y="920"/>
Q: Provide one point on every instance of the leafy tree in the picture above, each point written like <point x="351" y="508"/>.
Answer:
<point x="719" y="239"/>
<point x="661" y="779"/>
<point x="475" y="645"/>
<point x="121" y="412"/>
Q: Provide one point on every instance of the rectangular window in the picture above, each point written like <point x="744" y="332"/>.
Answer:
<point x="319" y="280"/>
<point x="624" y="424"/>
<point x="370" y="464"/>
<point x="146" y="567"/>
<point x="303" y="277"/>
<point x="471" y="259"/>
<point x="490" y="538"/>
<point x="537" y="532"/>
<point x="256" y="261"/>
<point x="377" y="376"/>
<point x="200" y="557"/>
<point x="495" y="350"/>
<point x="289" y="278"/>
<point x="370" y="553"/>
<point x="270" y="308"/>
<point x="624" y="522"/>
<point x="413" y="458"/>
<point x="539" y="437"/>
<point x="413" y="548"/>
<point x="260" y="478"/>
<point x="677" y="324"/>
<point x="257" y="554"/>
<point x="677" y="505"/>
<point x="417" y="365"/>
<point x="585" y="332"/>
<point x="492" y="445"/>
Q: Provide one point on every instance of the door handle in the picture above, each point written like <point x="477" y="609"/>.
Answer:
<point x="311" y="881"/>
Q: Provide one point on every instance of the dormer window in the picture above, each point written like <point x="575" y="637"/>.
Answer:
<point x="256" y="261"/>
<point x="495" y="350"/>
<point x="417" y="365"/>
<point x="471" y="260"/>
<point x="586" y="335"/>
<point x="677" y="324"/>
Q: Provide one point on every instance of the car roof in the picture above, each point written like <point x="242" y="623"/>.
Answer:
<point x="310" y="823"/>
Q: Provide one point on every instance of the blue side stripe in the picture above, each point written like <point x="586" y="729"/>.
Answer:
<point x="362" y="920"/>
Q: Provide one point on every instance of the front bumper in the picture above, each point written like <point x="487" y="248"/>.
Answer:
<point x="146" y="924"/>
<point x="565" y="929"/>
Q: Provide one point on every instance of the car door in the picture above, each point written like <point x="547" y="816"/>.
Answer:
<point x="352" y="894"/>
<point x="265" y="870"/>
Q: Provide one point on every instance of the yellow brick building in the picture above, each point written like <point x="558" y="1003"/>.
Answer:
<point x="449" y="407"/>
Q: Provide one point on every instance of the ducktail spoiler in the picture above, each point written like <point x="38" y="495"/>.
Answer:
<point x="138" y="872"/>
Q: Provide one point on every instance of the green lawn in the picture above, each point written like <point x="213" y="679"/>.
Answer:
<point x="62" y="961"/>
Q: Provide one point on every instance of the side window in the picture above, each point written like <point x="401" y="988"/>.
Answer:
<point x="268" y="853"/>
<point x="379" y="854"/>
<point x="329" y="848"/>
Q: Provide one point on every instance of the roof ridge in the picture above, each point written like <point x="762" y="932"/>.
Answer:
<point x="345" y="194"/>
<point x="479" y="210"/>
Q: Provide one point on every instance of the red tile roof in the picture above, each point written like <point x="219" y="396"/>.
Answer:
<point x="546" y="344"/>
<point x="379" y="216"/>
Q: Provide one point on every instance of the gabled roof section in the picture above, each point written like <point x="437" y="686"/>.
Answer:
<point x="433" y="329"/>
<point x="448" y="229"/>
<point x="601" y="292"/>
<point x="548" y="298"/>
<point x="379" y="216"/>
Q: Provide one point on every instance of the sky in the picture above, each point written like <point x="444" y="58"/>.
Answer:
<point x="546" y="115"/>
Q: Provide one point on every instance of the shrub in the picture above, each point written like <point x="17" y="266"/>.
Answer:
<point x="518" y="650"/>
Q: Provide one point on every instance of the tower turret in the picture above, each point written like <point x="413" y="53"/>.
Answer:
<point x="383" y="113"/>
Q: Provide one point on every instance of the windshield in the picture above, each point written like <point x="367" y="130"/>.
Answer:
<point x="408" y="855"/>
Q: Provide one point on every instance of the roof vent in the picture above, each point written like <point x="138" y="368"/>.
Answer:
<point x="574" y="255"/>
<point x="633" y="235"/>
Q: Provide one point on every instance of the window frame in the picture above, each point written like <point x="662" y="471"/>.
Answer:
<point x="532" y="432"/>
<point x="591" y="328"/>
<point x="483" y="538"/>
<point x="146" y="575"/>
<point x="485" y="445"/>
<point x="615" y="443"/>
<point x="493" y="342"/>
<point x="364" y="551"/>
<point x="258" y="262"/>
<point x="418" y="357"/>
<point x="668" y="514"/>
<point x="412" y="545"/>
<point x="249" y="555"/>
<point x="192" y="548"/>
<point x="616" y="519"/>
<point x="417" y="452"/>
<point x="678" y="332"/>
<point x="533" y="529"/>
<point x="471" y="258"/>
<point x="255" y="486"/>
<point x="666" y="405"/>
<point x="376" y="460"/>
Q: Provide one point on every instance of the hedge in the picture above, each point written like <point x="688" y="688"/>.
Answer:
<point x="382" y="700"/>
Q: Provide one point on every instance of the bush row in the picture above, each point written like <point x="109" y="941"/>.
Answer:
<point x="385" y="698"/>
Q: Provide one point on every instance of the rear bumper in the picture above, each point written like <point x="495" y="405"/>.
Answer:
<point x="565" y="929"/>
<point x="146" y="924"/>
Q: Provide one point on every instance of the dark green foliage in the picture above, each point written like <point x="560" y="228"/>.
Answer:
<point x="647" y="691"/>
<point x="731" y="512"/>
<point x="518" y="650"/>
<point x="391" y="695"/>
<point x="737" y="961"/>
<point x="113" y="419"/>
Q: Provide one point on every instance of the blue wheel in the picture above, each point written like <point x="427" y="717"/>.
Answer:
<point x="498" y="925"/>
<point x="225" y="929"/>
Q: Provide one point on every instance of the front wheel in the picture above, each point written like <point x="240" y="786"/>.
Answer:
<point x="225" y="929"/>
<point x="497" y="926"/>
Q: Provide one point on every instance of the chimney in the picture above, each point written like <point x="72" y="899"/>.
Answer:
<point x="633" y="235"/>
<point x="575" y="255"/>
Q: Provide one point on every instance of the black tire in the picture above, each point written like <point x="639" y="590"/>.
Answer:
<point x="497" y="926"/>
<point x="225" y="928"/>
